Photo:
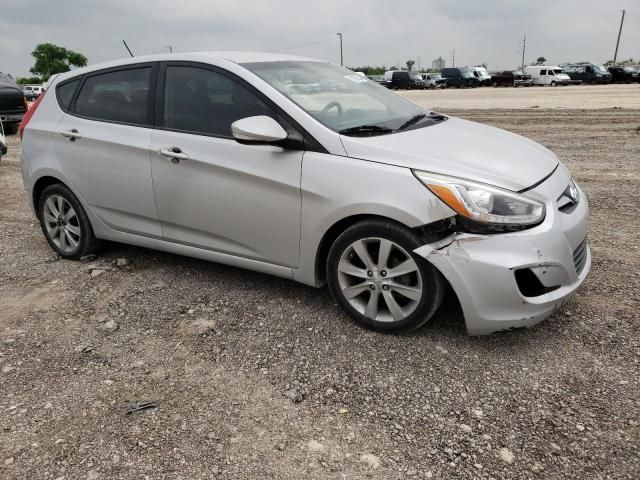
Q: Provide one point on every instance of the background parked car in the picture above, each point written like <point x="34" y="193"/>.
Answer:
<point x="587" y="72"/>
<point x="416" y="81"/>
<point x="32" y="91"/>
<point x="547" y="75"/>
<point x="378" y="79"/>
<point x="397" y="79"/>
<point x="13" y="104"/>
<point x="3" y="141"/>
<point x="511" y="79"/>
<point x="623" y="74"/>
<point x="433" y="80"/>
<point x="460" y="77"/>
<point x="482" y="75"/>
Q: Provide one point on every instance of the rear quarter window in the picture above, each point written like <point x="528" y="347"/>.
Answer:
<point x="65" y="93"/>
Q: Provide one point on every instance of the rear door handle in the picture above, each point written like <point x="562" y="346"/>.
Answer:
<point x="71" y="134"/>
<point x="174" y="154"/>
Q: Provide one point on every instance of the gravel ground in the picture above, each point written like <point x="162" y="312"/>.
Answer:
<point x="569" y="97"/>
<point x="258" y="377"/>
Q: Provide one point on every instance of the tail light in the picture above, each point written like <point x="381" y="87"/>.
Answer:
<point x="29" y="114"/>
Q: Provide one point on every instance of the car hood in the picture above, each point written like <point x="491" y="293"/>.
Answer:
<point x="460" y="148"/>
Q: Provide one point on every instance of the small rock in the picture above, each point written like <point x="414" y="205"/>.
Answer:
<point x="97" y="272"/>
<point x="436" y="389"/>
<point x="478" y="466"/>
<point x="580" y="427"/>
<point x="109" y="326"/>
<point x="315" y="446"/>
<point x="465" y="428"/>
<point x="84" y="348"/>
<point x="556" y="447"/>
<point x="370" y="459"/>
<point x="8" y="369"/>
<point x="441" y="349"/>
<point x="122" y="262"/>
<point x="486" y="437"/>
<point x="93" y="475"/>
<point x="343" y="411"/>
<point x="476" y="412"/>
<point x="48" y="405"/>
<point x="8" y="461"/>
<point x="294" y="394"/>
<point x="506" y="455"/>
<point x="53" y="258"/>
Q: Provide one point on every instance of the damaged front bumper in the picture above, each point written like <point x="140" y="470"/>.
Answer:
<point x="518" y="279"/>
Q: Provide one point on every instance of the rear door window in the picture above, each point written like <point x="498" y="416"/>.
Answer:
<point x="121" y="96"/>
<point x="543" y="72"/>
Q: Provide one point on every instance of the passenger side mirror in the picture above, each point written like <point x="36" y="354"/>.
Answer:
<point x="258" y="129"/>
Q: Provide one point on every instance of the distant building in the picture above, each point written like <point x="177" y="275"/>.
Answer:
<point x="438" y="63"/>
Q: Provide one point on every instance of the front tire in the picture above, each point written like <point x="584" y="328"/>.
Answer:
<point x="65" y="223"/>
<point x="376" y="278"/>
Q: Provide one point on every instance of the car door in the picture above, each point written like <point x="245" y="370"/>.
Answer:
<point x="215" y="193"/>
<point x="102" y="144"/>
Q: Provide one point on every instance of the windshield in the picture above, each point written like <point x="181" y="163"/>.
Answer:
<point x="340" y="99"/>
<point x="416" y="77"/>
<point x="600" y="69"/>
<point x="482" y="71"/>
<point x="558" y="71"/>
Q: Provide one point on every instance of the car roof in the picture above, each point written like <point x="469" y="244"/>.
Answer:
<point x="231" y="56"/>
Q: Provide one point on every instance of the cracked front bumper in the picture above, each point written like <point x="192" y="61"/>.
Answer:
<point x="481" y="268"/>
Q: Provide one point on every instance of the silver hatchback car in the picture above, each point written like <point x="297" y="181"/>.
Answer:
<point x="302" y="169"/>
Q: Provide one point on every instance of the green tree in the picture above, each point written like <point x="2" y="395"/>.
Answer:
<point x="410" y="64"/>
<point x="52" y="59"/>
<point x="541" y="61"/>
<point x="28" y="80"/>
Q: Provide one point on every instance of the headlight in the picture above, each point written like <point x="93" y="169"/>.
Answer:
<point x="483" y="207"/>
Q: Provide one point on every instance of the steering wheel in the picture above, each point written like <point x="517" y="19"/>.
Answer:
<point x="330" y="105"/>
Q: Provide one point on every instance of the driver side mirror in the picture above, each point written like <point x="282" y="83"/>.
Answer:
<point x="258" y="129"/>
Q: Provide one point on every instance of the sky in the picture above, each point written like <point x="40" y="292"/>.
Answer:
<point x="375" y="32"/>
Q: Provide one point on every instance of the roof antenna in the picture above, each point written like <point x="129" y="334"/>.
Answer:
<point x="127" y="47"/>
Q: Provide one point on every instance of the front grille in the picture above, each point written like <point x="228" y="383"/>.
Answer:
<point x="580" y="256"/>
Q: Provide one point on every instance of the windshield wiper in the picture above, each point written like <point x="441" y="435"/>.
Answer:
<point x="366" y="130"/>
<point x="413" y="120"/>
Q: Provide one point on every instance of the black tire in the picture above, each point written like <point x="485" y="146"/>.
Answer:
<point x="553" y="84"/>
<point x="434" y="285"/>
<point x="11" y="129"/>
<point x="88" y="243"/>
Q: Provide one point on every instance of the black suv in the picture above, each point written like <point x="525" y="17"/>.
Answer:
<point x="13" y="104"/>
<point x="460" y="77"/>
<point x="587" y="72"/>
<point x="623" y="74"/>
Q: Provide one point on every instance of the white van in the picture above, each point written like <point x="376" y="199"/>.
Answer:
<point x="547" y="75"/>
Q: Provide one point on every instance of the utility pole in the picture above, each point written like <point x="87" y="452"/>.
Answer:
<point x="170" y="48"/>
<point x="524" y="48"/>
<point x="615" y="55"/>
<point x="341" y="58"/>
<point x="453" y="59"/>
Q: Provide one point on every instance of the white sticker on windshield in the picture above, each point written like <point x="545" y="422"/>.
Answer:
<point x="356" y="78"/>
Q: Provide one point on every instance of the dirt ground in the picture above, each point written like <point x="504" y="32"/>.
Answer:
<point x="257" y="377"/>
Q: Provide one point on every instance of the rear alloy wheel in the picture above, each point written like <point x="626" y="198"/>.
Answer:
<point x="65" y="223"/>
<point x="375" y="277"/>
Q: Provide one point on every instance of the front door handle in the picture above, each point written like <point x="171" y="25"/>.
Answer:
<point x="72" y="135"/>
<point x="174" y="154"/>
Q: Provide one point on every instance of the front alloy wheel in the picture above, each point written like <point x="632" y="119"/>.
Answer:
<point x="375" y="277"/>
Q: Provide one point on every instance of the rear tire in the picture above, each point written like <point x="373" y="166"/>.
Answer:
<point x="554" y="84"/>
<point x="376" y="278"/>
<point x="65" y="223"/>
